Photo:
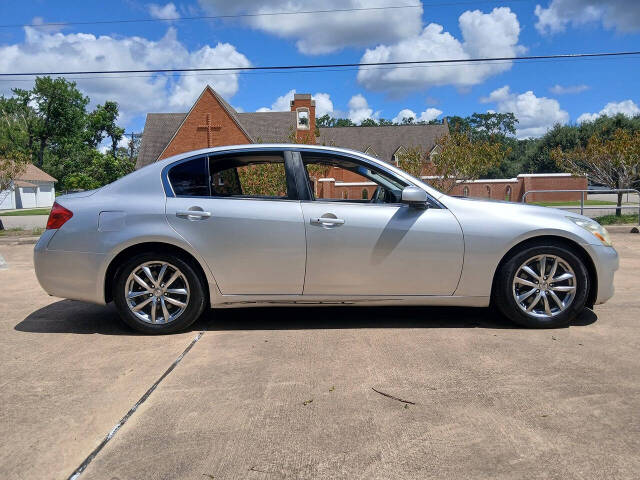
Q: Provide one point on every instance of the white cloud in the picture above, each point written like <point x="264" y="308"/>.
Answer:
<point x="426" y="116"/>
<point x="321" y="33"/>
<point x="535" y="114"/>
<point x="568" y="90"/>
<point x="136" y="94"/>
<point x="359" y="109"/>
<point x="623" y="15"/>
<point x="404" y="113"/>
<point x="283" y="103"/>
<point x="626" y="107"/>
<point x="167" y="12"/>
<point x="492" y="34"/>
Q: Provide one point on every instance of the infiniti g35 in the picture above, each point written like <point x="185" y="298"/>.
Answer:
<point x="262" y="225"/>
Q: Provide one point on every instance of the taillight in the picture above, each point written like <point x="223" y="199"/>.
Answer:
<point x="58" y="216"/>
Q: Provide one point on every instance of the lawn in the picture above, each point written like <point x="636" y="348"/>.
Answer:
<point x="614" y="220"/>
<point x="20" y="232"/>
<point x="572" y="204"/>
<point x="32" y="211"/>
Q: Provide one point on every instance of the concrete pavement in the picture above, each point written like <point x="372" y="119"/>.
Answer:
<point x="287" y="393"/>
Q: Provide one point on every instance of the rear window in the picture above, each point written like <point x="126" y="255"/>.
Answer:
<point x="191" y="178"/>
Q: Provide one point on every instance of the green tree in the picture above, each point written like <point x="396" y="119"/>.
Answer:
<point x="368" y="122"/>
<point x="60" y="112"/>
<point x="613" y="162"/>
<point x="102" y="124"/>
<point x="461" y="159"/>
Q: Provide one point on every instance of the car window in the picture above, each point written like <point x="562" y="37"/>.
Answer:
<point x="342" y="179"/>
<point x="252" y="176"/>
<point x="190" y="178"/>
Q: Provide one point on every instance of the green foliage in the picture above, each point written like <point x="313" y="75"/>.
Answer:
<point x="50" y="126"/>
<point x="617" y="219"/>
<point x="461" y="158"/>
<point x="266" y="179"/>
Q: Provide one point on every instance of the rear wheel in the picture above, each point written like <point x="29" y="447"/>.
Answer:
<point x="542" y="286"/>
<point x="158" y="293"/>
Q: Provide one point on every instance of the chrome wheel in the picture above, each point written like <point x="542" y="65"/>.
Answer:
<point x="157" y="292"/>
<point x="544" y="286"/>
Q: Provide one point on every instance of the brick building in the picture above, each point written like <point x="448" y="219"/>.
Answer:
<point x="212" y="122"/>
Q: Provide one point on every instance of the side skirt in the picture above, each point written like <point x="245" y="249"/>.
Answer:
<point x="235" y="301"/>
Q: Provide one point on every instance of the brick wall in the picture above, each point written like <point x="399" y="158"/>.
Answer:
<point x="193" y="134"/>
<point x="303" y="101"/>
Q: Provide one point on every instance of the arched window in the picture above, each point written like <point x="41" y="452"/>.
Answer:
<point x="365" y="194"/>
<point x="465" y="191"/>
<point x="507" y="195"/>
<point x="488" y="191"/>
<point x="345" y="195"/>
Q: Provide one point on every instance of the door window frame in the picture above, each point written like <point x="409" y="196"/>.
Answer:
<point x="303" y="181"/>
<point x="289" y="168"/>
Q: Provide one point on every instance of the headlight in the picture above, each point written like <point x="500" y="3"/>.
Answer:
<point x="595" y="228"/>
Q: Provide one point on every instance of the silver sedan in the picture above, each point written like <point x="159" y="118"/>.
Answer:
<point x="280" y="225"/>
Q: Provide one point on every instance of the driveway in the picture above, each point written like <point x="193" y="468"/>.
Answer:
<point x="288" y="393"/>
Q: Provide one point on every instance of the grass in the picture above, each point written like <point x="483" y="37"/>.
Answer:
<point x="31" y="211"/>
<point x="614" y="220"/>
<point x="571" y="204"/>
<point x="21" y="232"/>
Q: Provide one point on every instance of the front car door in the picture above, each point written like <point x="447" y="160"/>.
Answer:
<point x="241" y="213"/>
<point x="362" y="241"/>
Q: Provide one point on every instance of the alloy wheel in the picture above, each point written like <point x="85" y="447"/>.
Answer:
<point x="544" y="286"/>
<point x="157" y="292"/>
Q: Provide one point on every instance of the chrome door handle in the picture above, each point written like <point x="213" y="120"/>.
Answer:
<point x="327" y="221"/>
<point x="193" y="213"/>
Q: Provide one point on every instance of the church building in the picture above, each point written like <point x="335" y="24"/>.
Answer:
<point x="212" y="122"/>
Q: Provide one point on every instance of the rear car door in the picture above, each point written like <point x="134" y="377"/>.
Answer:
<point x="241" y="213"/>
<point x="362" y="241"/>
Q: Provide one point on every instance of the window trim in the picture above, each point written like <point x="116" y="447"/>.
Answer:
<point x="433" y="203"/>
<point x="291" y="178"/>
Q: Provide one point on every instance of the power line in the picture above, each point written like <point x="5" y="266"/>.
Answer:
<point x="327" y="70"/>
<point x="329" y="65"/>
<point x="249" y="15"/>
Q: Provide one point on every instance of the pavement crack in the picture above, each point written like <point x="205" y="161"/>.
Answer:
<point x="82" y="467"/>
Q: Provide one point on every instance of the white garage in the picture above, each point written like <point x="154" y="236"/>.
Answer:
<point x="34" y="189"/>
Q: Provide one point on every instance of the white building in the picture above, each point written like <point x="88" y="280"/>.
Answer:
<point x="34" y="189"/>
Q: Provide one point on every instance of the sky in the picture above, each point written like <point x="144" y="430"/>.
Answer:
<point x="540" y="93"/>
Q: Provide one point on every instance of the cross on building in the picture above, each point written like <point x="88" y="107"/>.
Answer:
<point x="209" y="128"/>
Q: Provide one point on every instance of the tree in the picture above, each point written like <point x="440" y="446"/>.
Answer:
<point x="460" y="158"/>
<point x="493" y="124"/>
<point x="368" y="122"/>
<point x="613" y="162"/>
<point x="102" y="123"/>
<point x="59" y="112"/>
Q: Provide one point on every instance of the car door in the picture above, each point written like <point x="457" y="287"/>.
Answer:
<point x="377" y="246"/>
<point x="240" y="213"/>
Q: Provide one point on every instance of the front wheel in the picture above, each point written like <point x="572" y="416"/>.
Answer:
<point x="542" y="286"/>
<point x="158" y="293"/>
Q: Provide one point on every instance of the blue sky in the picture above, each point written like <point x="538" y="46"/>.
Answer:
<point x="540" y="93"/>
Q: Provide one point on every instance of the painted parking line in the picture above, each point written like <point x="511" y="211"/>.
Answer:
<point x="3" y="263"/>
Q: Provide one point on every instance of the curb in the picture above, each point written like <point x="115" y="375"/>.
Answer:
<point x="622" y="228"/>
<point x="19" y="240"/>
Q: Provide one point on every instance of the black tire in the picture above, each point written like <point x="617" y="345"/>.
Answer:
<point x="195" y="304"/>
<point x="503" y="296"/>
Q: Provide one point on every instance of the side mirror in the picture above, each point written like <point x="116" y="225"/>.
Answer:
<point x="415" y="197"/>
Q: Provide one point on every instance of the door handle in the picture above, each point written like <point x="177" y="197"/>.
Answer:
<point x="327" y="221"/>
<point x="193" y="213"/>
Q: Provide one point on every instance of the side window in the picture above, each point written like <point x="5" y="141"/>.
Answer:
<point x="248" y="176"/>
<point x="190" y="178"/>
<point x="335" y="178"/>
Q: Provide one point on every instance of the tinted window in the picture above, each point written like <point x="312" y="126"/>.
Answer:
<point x="190" y="178"/>
<point x="257" y="176"/>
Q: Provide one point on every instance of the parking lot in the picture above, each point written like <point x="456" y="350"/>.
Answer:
<point x="289" y="393"/>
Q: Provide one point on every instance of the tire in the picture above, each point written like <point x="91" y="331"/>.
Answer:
<point x="570" y="294"/>
<point x="182" y="309"/>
